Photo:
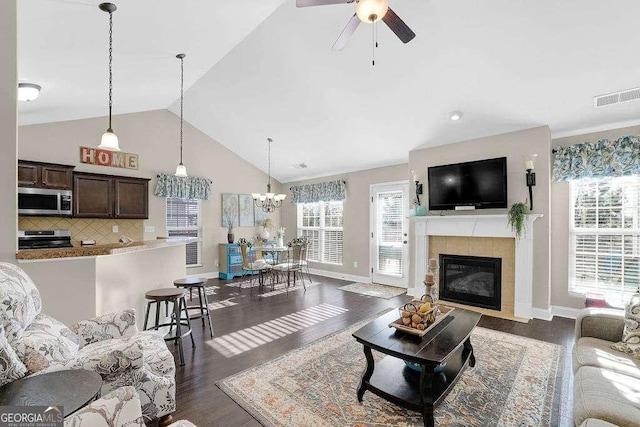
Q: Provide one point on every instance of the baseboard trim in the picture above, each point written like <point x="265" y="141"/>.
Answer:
<point x="542" y="313"/>
<point x="336" y="275"/>
<point x="212" y="275"/>
<point x="568" y="312"/>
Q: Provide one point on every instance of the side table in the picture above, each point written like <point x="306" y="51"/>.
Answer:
<point x="72" y="389"/>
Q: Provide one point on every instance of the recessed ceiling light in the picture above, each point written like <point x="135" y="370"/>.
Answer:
<point x="455" y="115"/>
<point x="28" y="91"/>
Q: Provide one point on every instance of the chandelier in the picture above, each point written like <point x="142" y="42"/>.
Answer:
<point x="269" y="201"/>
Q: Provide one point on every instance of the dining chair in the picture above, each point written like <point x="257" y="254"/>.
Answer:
<point x="250" y="265"/>
<point x="293" y="265"/>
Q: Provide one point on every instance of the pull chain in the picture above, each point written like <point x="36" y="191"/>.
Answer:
<point x="374" y="44"/>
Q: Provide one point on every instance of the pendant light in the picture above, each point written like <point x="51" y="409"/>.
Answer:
<point x="109" y="139"/>
<point x="181" y="171"/>
<point x="269" y="201"/>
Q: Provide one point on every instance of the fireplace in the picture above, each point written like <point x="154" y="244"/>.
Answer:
<point x="471" y="280"/>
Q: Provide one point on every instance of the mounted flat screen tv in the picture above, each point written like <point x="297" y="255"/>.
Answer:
<point x="472" y="185"/>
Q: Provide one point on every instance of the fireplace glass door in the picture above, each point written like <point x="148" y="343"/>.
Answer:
<point x="471" y="280"/>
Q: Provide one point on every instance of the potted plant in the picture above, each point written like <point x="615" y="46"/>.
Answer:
<point x="517" y="218"/>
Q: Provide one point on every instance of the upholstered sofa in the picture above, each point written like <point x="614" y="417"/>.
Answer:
<point x="606" y="382"/>
<point x="33" y="343"/>
<point x="120" y="408"/>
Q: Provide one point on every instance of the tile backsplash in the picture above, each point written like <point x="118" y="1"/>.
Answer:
<point x="99" y="230"/>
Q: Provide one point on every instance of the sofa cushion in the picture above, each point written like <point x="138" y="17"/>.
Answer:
<point x="11" y="367"/>
<point x="630" y="343"/>
<point x="596" y="352"/>
<point x="46" y="343"/>
<point x="20" y="301"/>
<point x="121" y="407"/>
<point x="606" y="395"/>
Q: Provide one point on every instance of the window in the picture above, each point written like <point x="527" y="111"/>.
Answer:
<point x="604" y="251"/>
<point x="321" y="223"/>
<point x="183" y="220"/>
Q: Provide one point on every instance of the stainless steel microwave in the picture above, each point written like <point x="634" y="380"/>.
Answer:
<point x="44" y="202"/>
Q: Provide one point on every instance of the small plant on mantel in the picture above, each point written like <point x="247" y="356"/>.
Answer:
<point x="517" y="218"/>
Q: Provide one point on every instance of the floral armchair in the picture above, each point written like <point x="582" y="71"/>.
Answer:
<point x="33" y="343"/>
<point x="120" y="408"/>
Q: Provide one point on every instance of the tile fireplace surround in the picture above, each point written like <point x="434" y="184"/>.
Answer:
<point x="480" y="226"/>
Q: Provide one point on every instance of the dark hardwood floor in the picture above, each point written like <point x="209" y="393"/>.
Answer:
<point x="200" y="401"/>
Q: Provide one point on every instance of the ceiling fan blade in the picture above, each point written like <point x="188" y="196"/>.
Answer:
<point x="398" y="26"/>
<point x="307" y="3"/>
<point x="346" y="33"/>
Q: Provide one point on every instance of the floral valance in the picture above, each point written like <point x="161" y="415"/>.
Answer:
<point x="321" y="192"/>
<point x="598" y="159"/>
<point x="190" y="187"/>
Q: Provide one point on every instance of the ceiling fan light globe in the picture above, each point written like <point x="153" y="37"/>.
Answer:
<point x="370" y="11"/>
<point x="109" y="141"/>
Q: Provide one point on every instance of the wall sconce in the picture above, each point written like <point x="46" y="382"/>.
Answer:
<point x="414" y="175"/>
<point x="529" y="165"/>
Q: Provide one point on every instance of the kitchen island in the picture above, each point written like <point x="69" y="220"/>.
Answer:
<point x="82" y="282"/>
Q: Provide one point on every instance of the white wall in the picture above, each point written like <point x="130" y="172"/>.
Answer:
<point x="8" y="129"/>
<point x="154" y="136"/>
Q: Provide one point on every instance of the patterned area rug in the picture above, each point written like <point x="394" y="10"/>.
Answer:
<point x="373" y="290"/>
<point x="513" y="384"/>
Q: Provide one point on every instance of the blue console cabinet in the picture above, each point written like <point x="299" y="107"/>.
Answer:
<point x="230" y="259"/>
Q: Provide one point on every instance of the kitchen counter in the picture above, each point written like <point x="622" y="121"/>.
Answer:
<point x="97" y="250"/>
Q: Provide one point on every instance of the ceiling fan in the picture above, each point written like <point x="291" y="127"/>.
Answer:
<point x="369" y="12"/>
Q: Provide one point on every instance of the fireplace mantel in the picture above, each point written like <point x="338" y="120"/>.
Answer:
<point x="481" y="226"/>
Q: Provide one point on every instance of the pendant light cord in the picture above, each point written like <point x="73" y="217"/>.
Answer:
<point x="181" y="102"/>
<point x="110" y="66"/>
<point x="269" y="166"/>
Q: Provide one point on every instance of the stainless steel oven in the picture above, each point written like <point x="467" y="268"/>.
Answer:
<point x="44" y="202"/>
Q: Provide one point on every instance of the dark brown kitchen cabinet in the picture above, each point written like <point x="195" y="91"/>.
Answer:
<point x="109" y="196"/>
<point x="92" y="196"/>
<point x="44" y="175"/>
<point x="131" y="198"/>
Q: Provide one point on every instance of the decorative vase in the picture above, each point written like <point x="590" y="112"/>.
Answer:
<point x="421" y="210"/>
<point x="264" y="234"/>
<point x="412" y="212"/>
<point x="281" y="241"/>
<point x="230" y="236"/>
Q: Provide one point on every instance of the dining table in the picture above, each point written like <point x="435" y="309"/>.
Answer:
<point x="274" y="251"/>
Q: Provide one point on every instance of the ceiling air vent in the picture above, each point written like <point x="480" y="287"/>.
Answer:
<point x="616" y="98"/>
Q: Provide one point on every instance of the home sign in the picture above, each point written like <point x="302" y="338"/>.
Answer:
<point x="114" y="159"/>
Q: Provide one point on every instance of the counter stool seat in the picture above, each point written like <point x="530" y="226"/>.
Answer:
<point x="175" y="296"/>
<point x="197" y="283"/>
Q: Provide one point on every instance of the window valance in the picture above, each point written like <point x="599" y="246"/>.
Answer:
<point x="321" y="192"/>
<point x="598" y="159"/>
<point x="190" y="187"/>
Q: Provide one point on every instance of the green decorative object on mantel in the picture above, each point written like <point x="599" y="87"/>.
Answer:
<point x="517" y="218"/>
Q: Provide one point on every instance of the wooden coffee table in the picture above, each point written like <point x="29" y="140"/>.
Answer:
<point x="447" y="343"/>
<point x="72" y="389"/>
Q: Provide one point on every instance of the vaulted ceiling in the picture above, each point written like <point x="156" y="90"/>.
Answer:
<point x="259" y="68"/>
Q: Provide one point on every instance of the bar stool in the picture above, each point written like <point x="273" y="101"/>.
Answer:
<point x="198" y="283"/>
<point x="175" y="296"/>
